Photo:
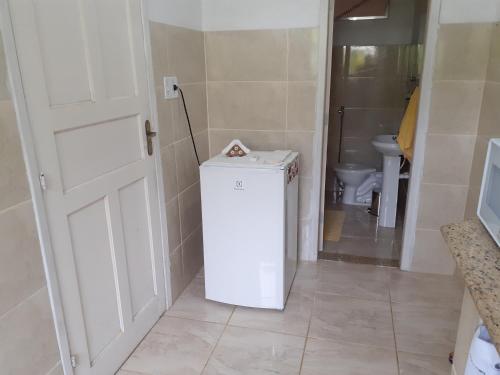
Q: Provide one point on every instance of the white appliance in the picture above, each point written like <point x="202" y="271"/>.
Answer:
<point x="250" y="207"/>
<point x="488" y="209"/>
<point x="483" y="358"/>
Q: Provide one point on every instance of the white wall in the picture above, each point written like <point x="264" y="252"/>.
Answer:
<point x="213" y="15"/>
<point x="259" y="14"/>
<point x="469" y="11"/>
<point x="183" y="13"/>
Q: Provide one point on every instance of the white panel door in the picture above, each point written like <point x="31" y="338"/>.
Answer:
<point x="84" y="75"/>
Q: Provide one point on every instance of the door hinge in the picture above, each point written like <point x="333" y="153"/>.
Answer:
<point x="74" y="361"/>
<point x="43" y="182"/>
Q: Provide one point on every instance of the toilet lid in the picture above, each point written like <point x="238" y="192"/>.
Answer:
<point x="355" y="167"/>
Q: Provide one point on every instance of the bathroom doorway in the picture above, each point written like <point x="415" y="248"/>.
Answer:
<point x="376" y="64"/>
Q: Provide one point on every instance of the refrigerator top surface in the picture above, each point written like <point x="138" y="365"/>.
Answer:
<point x="256" y="159"/>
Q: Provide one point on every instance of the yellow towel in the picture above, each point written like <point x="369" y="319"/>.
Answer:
<point x="407" y="130"/>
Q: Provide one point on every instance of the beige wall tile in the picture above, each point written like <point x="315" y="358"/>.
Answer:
<point x="455" y="107"/>
<point x="13" y="182"/>
<point x="169" y="172"/>
<point x="479" y="157"/>
<point x="305" y="196"/>
<point x="192" y="254"/>
<point x="494" y="62"/>
<point x="339" y="58"/>
<point x="378" y="61"/>
<point x="27" y="339"/>
<point x="302" y="142"/>
<point x="21" y="270"/>
<point x="462" y="52"/>
<point x="57" y="370"/>
<point x="301" y="106"/>
<point x="303" y="54"/>
<point x="305" y="239"/>
<point x="248" y="55"/>
<point x="360" y="151"/>
<point x="177" y="282"/>
<point x="187" y="167"/>
<point x="201" y="140"/>
<point x="247" y="105"/>
<point x="369" y="122"/>
<point x="431" y="254"/>
<point x="190" y="210"/>
<point x="158" y="33"/>
<point x="186" y="54"/>
<point x="369" y="92"/>
<point x="448" y="159"/>
<point x="165" y="118"/>
<point x="196" y="104"/>
<point x="490" y="111"/>
<point x="441" y="205"/>
<point x="472" y="202"/>
<point x="4" y="91"/>
<point x="255" y="140"/>
<point x="173" y="224"/>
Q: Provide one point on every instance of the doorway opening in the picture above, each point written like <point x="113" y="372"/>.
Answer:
<point x="376" y="64"/>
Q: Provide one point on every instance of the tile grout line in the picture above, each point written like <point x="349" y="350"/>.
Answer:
<point x="218" y="340"/>
<point x="15" y="206"/>
<point x="307" y="335"/>
<point x="287" y="52"/>
<point x="23" y="301"/>
<point x="206" y="92"/>
<point x="394" y="331"/>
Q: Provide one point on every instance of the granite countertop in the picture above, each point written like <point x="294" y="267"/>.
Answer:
<point x="478" y="259"/>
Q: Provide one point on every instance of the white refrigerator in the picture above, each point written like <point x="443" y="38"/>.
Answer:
<point x="250" y="210"/>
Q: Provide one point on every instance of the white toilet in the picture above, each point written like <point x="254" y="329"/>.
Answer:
<point x="359" y="182"/>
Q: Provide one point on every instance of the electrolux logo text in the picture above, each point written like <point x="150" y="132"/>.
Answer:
<point x="238" y="185"/>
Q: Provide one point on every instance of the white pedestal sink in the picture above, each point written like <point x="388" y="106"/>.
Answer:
<point x="387" y="145"/>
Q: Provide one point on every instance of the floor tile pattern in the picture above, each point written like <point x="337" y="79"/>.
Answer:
<point x="340" y="318"/>
<point x="363" y="240"/>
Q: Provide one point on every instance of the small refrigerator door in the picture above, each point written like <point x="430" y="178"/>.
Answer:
<point x="243" y="234"/>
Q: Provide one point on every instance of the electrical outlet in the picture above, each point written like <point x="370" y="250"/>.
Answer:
<point x="168" y="88"/>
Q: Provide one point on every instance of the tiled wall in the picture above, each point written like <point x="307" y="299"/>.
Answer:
<point x="180" y="52"/>
<point x="489" y="121"/>
<point x="27" y="337"/>
<point x="261" y="87"/>
<point x="461" y="65"/>
<point x="372" y="83"/>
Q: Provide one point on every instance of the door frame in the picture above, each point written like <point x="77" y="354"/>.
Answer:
<point x="322" y="117"/>
<point x="33" y="174"/>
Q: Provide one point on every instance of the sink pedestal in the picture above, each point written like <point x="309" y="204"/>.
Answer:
<point x="388" y="146"/>
<point x="390" y="186"/>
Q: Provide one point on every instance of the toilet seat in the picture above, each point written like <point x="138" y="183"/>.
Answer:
<point x="355" y="167"/>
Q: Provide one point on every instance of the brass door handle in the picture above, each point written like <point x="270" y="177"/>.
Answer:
<point x="149" y="136"/>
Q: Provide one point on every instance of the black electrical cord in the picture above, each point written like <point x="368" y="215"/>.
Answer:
<point x="177" y="88"/>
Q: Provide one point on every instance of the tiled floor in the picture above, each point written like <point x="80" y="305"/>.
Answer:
<point x="341" y="318"/>
<point x="362" y="238"/>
